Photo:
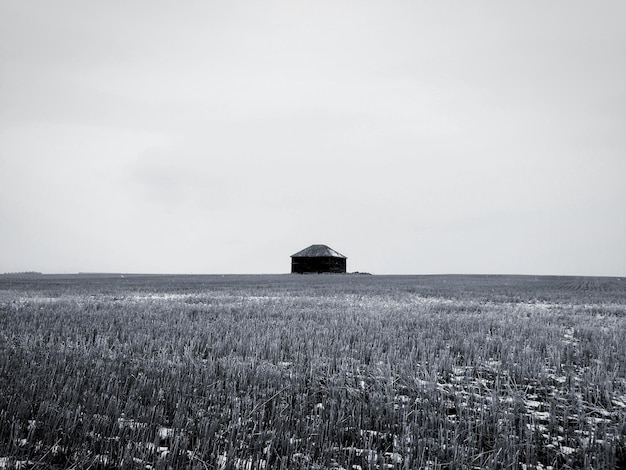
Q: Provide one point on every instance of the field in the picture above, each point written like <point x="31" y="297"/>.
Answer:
<point x="312" y="372"/>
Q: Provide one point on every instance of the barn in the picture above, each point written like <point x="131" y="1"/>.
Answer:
<point x="318" y="259"/>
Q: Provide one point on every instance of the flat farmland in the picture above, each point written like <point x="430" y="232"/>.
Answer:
<point x="312" y="372"/>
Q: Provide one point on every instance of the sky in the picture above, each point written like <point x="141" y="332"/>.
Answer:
<point x="149" y="136"/>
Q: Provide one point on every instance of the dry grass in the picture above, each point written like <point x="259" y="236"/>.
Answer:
<point x="312" y="372"/>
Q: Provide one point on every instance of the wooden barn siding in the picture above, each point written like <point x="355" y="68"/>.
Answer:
<point x="318" y="265"/>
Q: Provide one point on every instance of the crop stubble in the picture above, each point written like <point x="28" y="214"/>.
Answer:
<point x="341" y="371"/>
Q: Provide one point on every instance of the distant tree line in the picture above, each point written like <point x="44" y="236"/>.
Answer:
<point x="21" y="273"/>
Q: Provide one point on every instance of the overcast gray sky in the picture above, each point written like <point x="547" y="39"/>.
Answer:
<point x="224" y="136"/>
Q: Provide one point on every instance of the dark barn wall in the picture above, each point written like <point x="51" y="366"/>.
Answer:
<point x="318" y="264"/>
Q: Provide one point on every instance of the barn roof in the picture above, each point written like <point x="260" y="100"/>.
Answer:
<point x="315" y="251"/>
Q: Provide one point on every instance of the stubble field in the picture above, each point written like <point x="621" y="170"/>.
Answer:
<point x="312" y="372"/>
